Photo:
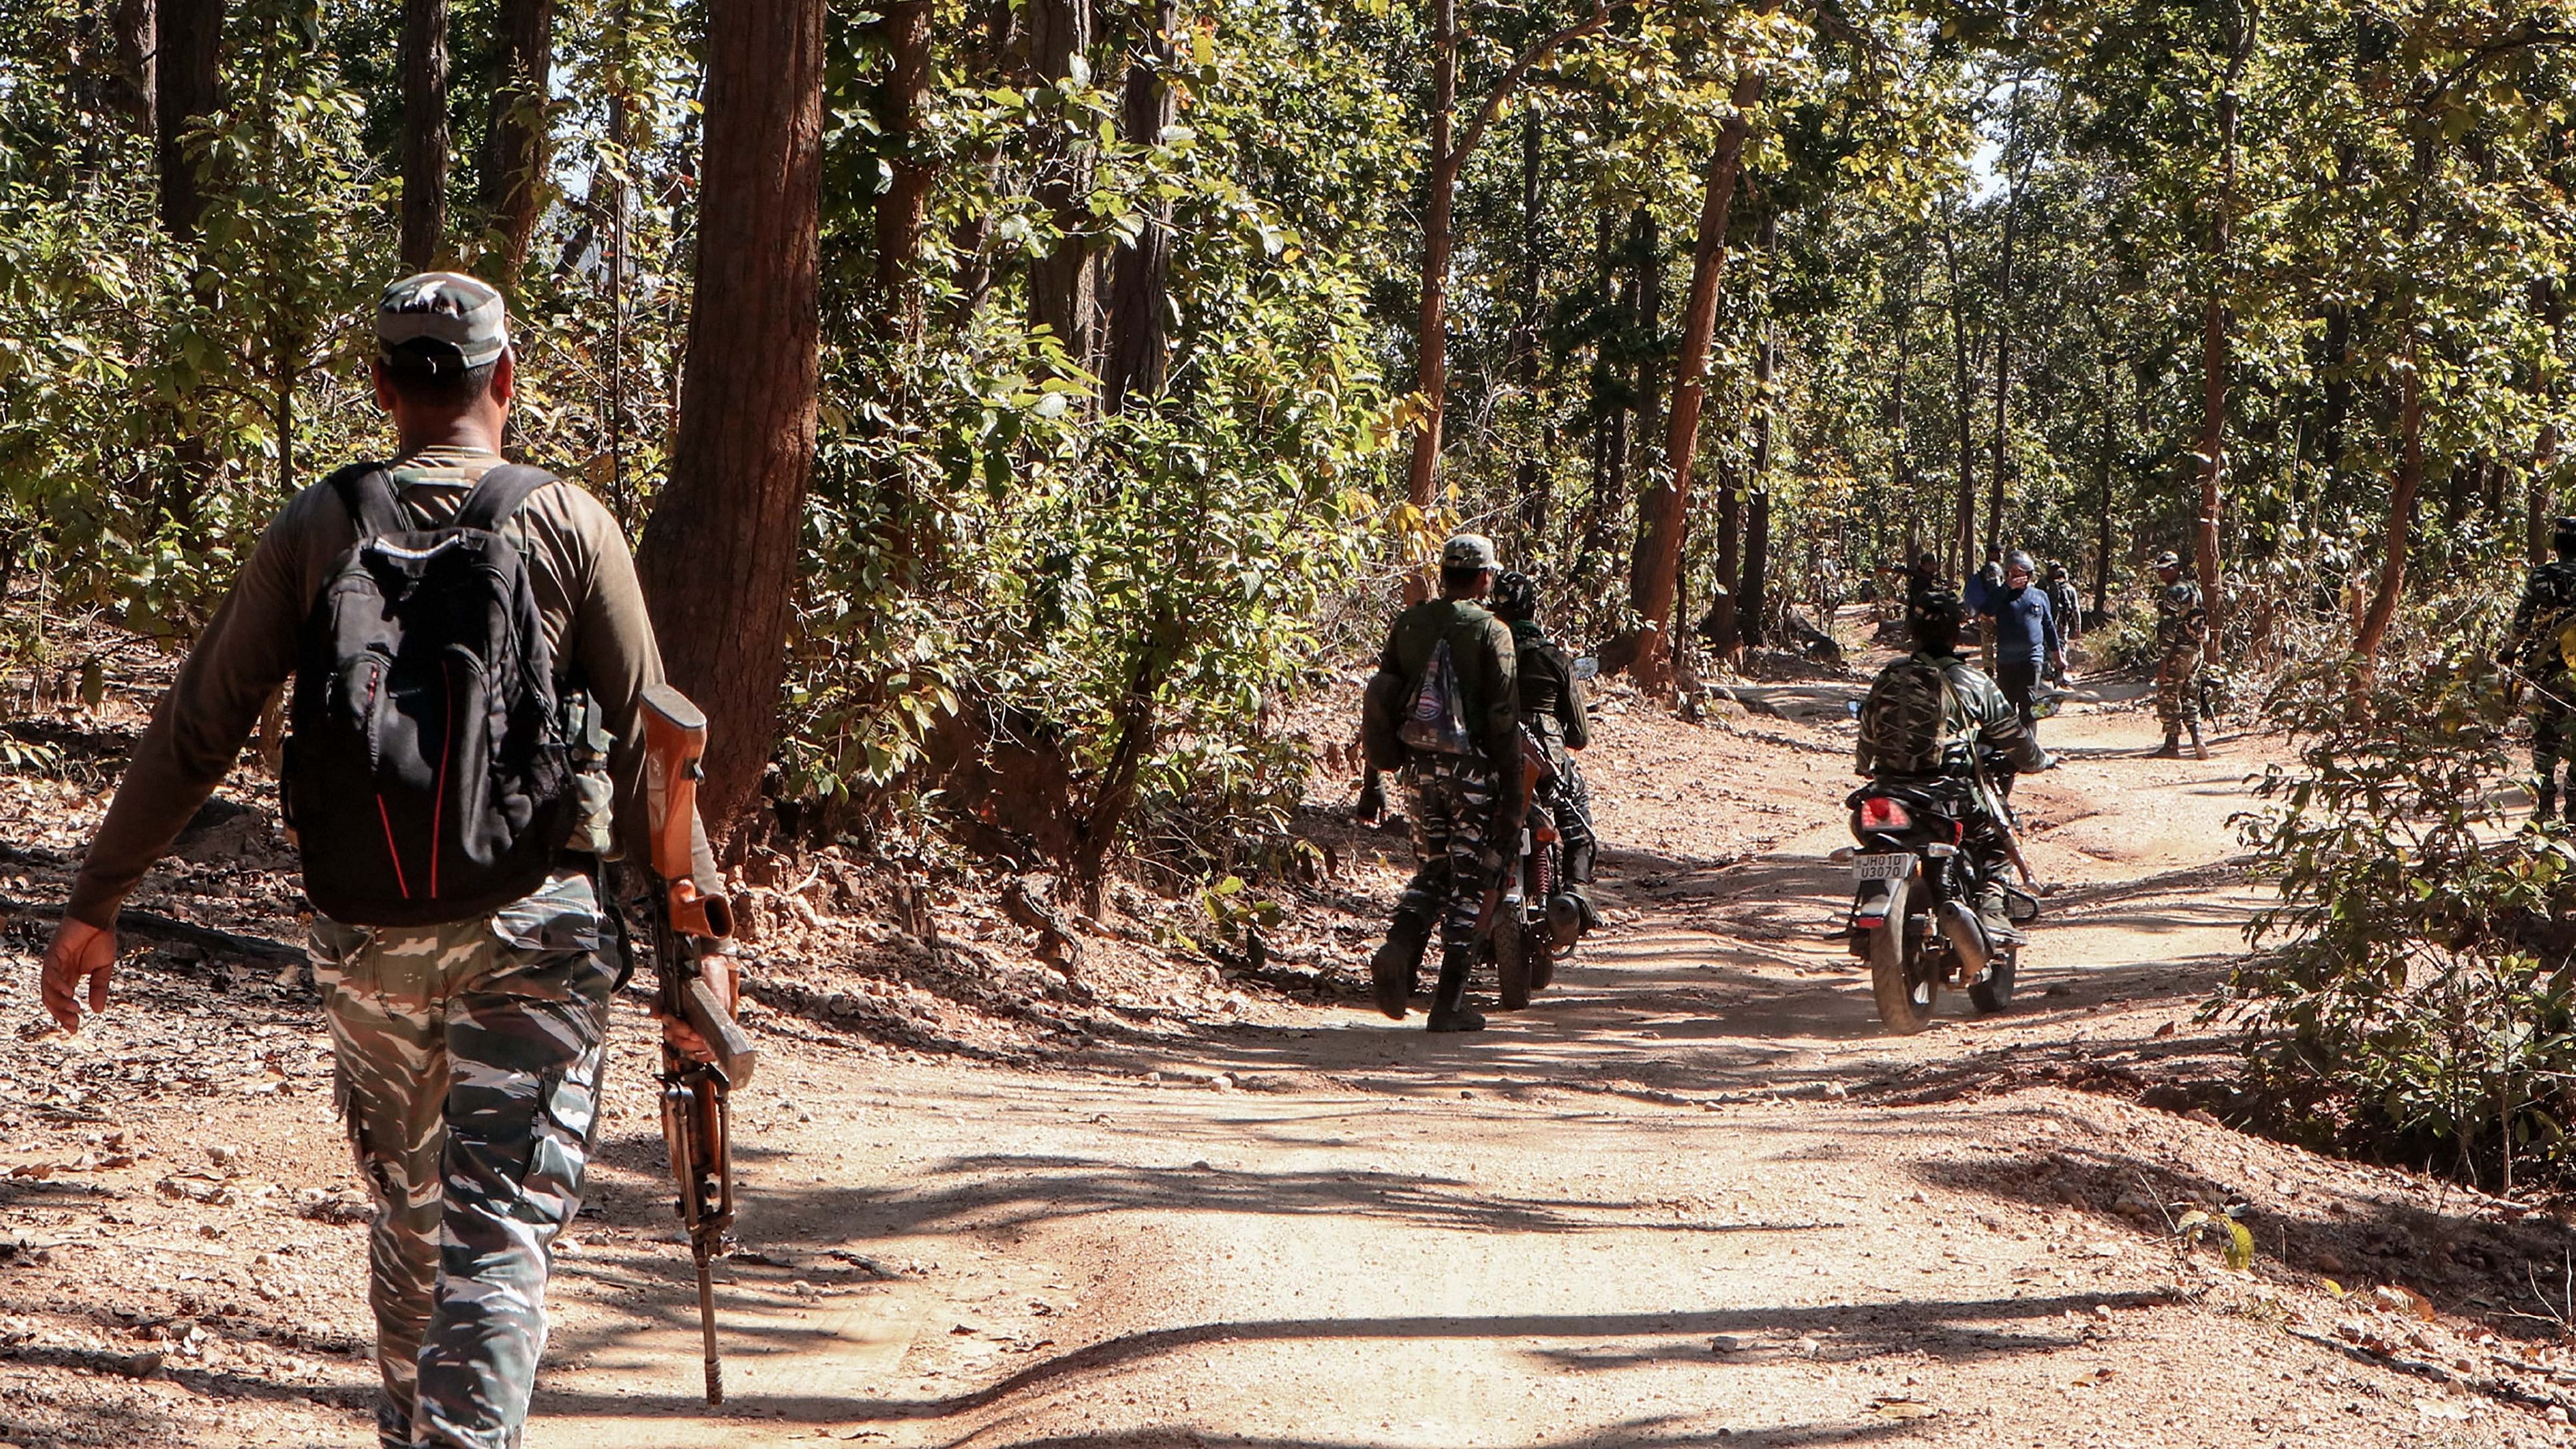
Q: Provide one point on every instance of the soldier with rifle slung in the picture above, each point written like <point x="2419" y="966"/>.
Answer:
<point x="472" y="665"/>
<point x="2182" y="624"/>
<point x="2538" y="649"/>
<point x="1444" y="705"/>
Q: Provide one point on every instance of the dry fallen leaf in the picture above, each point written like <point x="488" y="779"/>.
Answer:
<point x="1902" y="1409"/>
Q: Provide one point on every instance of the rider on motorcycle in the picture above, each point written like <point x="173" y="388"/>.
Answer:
<point x="1551" y="702"/>
<point x="1932" y="716"/>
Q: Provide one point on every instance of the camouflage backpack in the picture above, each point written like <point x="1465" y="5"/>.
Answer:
<point x="1904" y="724"/>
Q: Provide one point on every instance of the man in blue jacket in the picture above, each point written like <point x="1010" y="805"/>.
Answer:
<point x="2026" y="638"/>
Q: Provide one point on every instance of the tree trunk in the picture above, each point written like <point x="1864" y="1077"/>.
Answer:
<point x="2550" y="301"/>
<point x="719" y="558"/>
<point x="2214" y="359"/>
<point x="132" y="89"/>
<point x="514" y="165"/>
<point x="2003" y="365"/>
<point x="1757" y="568"/>
<point x="424" y="132"/>
<point x="1529" y="479"/>
<point x="904" y="208"/>
<point x="2401" y="519"/>
<point x="2544" y="470"/>
<point x="1723" y="627"/>
<point x="1964" y="532"/>
<point x="1650" y="316"/>
<point x="1138" y="293"/>
<point x="1430" y="332"/>
<point x="2401" y="514"/>
<point x="188" y="81"/>
<point x="1061" y="296"/>
<point x="2102" y="487"/>
<point x="1655" y="570"/>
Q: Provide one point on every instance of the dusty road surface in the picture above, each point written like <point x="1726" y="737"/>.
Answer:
<point x="1692" y="1196"/>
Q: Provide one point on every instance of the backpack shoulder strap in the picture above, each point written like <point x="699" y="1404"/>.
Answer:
<point x="499" y="495"/>
<point x="367" y="491"/>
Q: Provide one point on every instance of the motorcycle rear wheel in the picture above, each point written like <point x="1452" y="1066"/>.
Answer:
<point x="1995" y="992"/>
<point x="1512" y="964"/>
<point x="1899" y="977"/>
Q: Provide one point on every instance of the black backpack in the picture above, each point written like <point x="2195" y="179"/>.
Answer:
<point x="426" y="774"/>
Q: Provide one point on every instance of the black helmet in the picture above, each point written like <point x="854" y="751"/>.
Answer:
<point x="2057" y="571"/>
<point x="1514" y="596"/>
<point x="2562" y="535"/>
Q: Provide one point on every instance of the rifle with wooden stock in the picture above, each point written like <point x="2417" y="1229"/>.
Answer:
<point x="698" y="987"/>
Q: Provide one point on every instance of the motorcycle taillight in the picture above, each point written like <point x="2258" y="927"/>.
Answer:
<point x="1880" y="813"/>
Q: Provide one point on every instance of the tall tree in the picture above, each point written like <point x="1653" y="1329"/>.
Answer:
<point x="2014" y="178"/>
<point x="137" y="50"/>
<point x="1431" y="338"/>
<point x="1062" y="298"/>
<point x="1654" y="574"/>
<point x="2214" y="332"/>
<point x="719" y="557"/>
<point x="188" y="79"/>
<point x="424" y="131"/>
<point x="1139" y="287"/>
<point x="903" y="208"/>
<point x="1963" y="534"/>
<point x="514" y="164"/>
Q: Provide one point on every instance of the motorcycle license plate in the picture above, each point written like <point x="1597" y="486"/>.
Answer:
<point x="1882" y="867"/>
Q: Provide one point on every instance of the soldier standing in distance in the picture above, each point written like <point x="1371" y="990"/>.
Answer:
<point x="2536" y="648"/>
<point x="2182" y="622"/>
<point x="468" y="1049"/>
<point x="1452" y="671"/>
<point x="2069" y="608"/>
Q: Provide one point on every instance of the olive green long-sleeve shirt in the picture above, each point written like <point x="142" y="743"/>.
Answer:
<point x="1486" y="664"/>
<point x="579" y="569"/>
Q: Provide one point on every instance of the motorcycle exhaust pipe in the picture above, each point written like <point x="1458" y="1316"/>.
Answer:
<point x="1967" y="936"/>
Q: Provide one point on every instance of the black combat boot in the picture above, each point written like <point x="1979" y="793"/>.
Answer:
<point x="1996" y="917"/>
<point x="1397" y="966"/>
<point x="2172" y="749"/>
<point x="2199" y="751"/>
<point x="1449" y="1010"/>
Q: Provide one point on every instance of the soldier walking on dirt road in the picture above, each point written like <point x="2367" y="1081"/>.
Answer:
<point x="469" y="645"/>
<point x="2182" y="623"/>
<point x="2536" y="647"/>
<point x="1445" y="704"/>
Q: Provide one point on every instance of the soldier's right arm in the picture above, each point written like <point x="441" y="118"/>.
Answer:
<point x="202" y="721"/>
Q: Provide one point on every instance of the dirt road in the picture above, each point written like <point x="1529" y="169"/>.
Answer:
<point x="1692" y="1196"/>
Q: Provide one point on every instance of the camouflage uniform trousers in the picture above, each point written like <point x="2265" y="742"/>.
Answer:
<point x="469" y="1058"/>
<point x="2550" y="694"/>
<point x="2178" y="686"/>
<point x="1452" y="810"/>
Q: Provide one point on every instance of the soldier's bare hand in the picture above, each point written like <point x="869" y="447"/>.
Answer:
<point x="80" y="951"/>
<point x="683" y="1038"/>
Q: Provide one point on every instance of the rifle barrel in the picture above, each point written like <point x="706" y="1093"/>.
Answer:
<point x="707" y="1327"/>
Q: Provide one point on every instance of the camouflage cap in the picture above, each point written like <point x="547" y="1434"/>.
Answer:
<point x="1469" y="551"/>
<point x="2167" y="559"/>
<point x="442" y="307"/>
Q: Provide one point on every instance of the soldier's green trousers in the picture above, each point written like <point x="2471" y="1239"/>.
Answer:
<point x="469" y="1058"/>
<point x="2178" y="688"/>
<point x="2549" y="721"/>
<point x="1452" y="810"/>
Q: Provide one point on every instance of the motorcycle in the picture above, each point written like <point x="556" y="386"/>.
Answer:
<point x="1532" y="922"/>
<point x="1914" y="892"/>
